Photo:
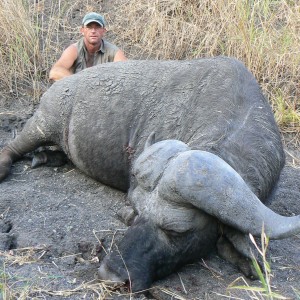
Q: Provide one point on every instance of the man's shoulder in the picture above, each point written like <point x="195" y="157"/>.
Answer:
<point x="109" y="45"/>
<point x="71" y="50"/>
<point x="78" y="44"/>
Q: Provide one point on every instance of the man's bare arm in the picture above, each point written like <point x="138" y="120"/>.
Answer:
<point x="62" y="68"/>
<point x="120" y="56"/>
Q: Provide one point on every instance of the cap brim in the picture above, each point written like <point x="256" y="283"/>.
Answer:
<point x="93" y="21"/>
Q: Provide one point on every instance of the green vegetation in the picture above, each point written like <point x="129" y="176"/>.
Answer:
<point x="264" y="274"/>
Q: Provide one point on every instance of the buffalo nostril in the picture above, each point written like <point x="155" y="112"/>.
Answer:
<point x="102" y="272"/>
<point x="126" y="287"/>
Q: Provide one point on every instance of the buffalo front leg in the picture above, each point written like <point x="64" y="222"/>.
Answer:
<point x="36" y="132"/>
<point x="236" y="248"/>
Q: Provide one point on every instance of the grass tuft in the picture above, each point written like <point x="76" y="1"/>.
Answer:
<point x="265" y="291"/>
<point x="39" y="286"/>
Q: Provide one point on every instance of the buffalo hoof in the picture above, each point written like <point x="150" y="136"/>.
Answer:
<point x="5" y="165"/>
<point x="49" y="158"/>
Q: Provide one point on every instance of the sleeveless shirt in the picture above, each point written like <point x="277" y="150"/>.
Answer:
<point x="106" y="53"/>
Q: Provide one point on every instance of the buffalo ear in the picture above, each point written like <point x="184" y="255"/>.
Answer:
<point x="150" y="140"/>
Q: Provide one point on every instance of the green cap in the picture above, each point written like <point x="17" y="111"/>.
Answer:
<point x="93" y="17"/>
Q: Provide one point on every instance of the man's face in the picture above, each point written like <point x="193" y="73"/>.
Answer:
<point x="93" y="33"/>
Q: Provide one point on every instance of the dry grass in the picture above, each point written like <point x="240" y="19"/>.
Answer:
<point x="19" y="53"/>
<point x="18" y="287"/>
<point x="264" y="34"/>
<point x="31" y="39"/>
<point x="263" y="270"/>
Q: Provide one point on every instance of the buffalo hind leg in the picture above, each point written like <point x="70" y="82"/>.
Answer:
<point x="49" y="158"/>
<point x="37" y="132"/>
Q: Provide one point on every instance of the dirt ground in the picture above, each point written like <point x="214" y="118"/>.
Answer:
<point x="59" y="223"/>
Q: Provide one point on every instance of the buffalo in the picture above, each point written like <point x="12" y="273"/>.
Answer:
<point x="195" y="145"/>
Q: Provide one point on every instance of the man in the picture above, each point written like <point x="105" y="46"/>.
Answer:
<point x="89" y="51"/>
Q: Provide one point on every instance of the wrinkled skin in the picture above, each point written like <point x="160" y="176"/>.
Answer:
<point x="199" y="188"/>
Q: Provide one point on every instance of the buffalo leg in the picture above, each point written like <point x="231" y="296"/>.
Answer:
<point x="37" y="132"/>
<point x="49" y="158"/>
<point x="229" y="253"/>
<point x="236" y="248"/>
